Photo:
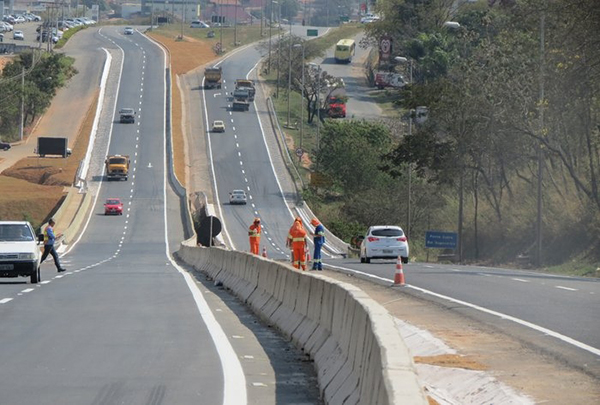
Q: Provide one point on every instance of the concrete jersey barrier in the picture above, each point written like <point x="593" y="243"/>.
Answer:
<point x="359" y="354"/>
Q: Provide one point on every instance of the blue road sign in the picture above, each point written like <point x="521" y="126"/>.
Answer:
<point x="442" y="240"/>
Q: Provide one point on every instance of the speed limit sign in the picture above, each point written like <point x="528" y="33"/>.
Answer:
<point x="299" y="152"/>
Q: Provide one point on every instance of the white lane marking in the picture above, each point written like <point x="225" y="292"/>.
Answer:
<point x="45" y="282"/>
<point x="233" y="128"/>
<point x="5" y="300"/>
<point x="521" y="280"/>
<point x="500" y="315"/>
<point x="566" y="288"/>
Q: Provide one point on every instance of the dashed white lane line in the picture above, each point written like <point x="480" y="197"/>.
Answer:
<point x="566" y="288"/>
<point x="5" y="300"/>
<point x="521" y="280"/>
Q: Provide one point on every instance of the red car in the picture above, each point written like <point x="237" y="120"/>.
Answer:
<point x="113" y="206"/>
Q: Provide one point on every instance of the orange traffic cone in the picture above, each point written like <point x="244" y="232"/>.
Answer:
<point x="399" y="275"/>
<point x="264" y="252"/>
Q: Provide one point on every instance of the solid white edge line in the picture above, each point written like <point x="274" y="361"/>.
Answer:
<point x="500" y="315"/>
<point x="234" y="380"/>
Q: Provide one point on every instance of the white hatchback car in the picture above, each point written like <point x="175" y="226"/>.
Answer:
<point x="237" y="197"/>
<point x="384" y="242"/>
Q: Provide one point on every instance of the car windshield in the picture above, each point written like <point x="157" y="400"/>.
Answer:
<point x="15" y="233"/>
<point x="389" y="232"/>
<point x="117" y="161"/>
<point x="238" y="192"/>
<point x="127" y="111"/>
<point x="113" y="202"/>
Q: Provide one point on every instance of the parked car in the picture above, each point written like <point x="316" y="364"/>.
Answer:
<point x="18" y="35"/>
<point x="384" y="242"/>
<point x="113" y="206"/>
<point x="218" y="126"/>
<point x="4" y="146"/>
<point x="128" y="31"/>
<point x="237" y="197"/>
<point x="199" y="24"/>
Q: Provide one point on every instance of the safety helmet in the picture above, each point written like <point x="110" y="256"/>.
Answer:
<point x="314" y="221"/>
<point x="256" y="220"/>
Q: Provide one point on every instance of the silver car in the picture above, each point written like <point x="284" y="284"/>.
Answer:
<point x="384" y="242"/>
<point x="237" y="197"/>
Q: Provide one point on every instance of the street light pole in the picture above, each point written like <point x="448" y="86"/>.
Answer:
<point x="278" y="49"/>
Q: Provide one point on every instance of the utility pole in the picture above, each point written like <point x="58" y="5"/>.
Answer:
<point x="270" y="28"/>
<point x="540" y="157"/>
<point x="235" y="25"/>
<point x="289" y="92"/>
<point x="21" y="124"/>
<point x="278" y="48"/>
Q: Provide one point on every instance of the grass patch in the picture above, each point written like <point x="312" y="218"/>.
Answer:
<point x="243" y="35"/>
<point x="68" y="34"/>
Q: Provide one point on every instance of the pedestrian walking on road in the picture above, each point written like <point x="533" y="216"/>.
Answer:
<point x="297" y="242"/>
<point x="49" y="238"/>
<point x="319" y="240"/>
<point x="254" y="236"/>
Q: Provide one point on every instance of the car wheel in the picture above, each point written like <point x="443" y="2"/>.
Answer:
<point x="404" y="260"/>
<point x="35" y="276"/>
<point x="362" y="259"/>
<point x="367" y="260"/>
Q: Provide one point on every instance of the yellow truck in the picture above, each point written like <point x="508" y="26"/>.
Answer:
<point x="212" y="77"/>
<point x="117" y="167"/>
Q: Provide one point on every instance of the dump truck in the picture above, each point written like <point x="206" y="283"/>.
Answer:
<point x="117" y="167"/>
<point x="336" y="103"/>
<point x="212" y="77"/>
<point x="241" y="100"/>
<point x="244" y="84"/>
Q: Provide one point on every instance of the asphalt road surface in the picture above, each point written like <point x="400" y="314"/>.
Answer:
<point x="125" y="324"/>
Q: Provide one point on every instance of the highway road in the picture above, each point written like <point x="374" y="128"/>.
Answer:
<point x="125" y="323"/>
<point x="555" y="314"/>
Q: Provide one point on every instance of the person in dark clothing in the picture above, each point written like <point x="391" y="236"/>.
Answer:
<point x="49" y="238"/>
<point x="319" y="241"/>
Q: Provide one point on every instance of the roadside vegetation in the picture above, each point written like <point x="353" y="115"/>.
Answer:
<point x="497" y="107"/>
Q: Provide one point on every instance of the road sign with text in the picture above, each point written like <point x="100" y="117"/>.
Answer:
<point x="441" y="240"/>
<point x="312" y="33"/>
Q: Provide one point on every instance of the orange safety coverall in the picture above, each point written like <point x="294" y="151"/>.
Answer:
<point x="254" y="236"/>
<point x="297" y="240"/>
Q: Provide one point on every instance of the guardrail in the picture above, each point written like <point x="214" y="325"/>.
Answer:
<point x="358" y="352"/>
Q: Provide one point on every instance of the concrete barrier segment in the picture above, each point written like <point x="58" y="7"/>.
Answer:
<point x="358" y="352"/>
<point x="342" y="386"/>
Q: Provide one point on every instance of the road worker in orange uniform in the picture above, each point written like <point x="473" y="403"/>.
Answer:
<point x="254" y="236"/>
<point x="297" y="241"/>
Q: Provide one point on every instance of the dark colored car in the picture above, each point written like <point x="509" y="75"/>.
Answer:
<point x="4" y="145"/>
